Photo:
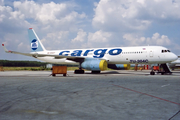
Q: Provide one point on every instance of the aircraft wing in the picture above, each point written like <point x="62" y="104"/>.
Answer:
<point x="74" y="58"/>
<point x="9" y="51"/>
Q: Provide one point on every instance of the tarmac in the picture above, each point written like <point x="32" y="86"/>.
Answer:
<point x="115" y="95"/>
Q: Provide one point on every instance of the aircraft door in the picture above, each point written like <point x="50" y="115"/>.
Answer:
<point x="151" y="53"/>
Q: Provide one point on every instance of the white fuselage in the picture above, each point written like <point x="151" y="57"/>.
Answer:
<point x="114" y="55"/>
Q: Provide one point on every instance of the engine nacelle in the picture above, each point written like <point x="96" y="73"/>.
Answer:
<point x="94" y="64"/>
<point x="119" y="66"/>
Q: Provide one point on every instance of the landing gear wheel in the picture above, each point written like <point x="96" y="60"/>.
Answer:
<point x="95" y="72"/>
<point x="152" y="73"/>
<point x="79" y="71"/>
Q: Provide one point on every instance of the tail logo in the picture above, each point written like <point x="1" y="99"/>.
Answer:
<point x="34" y="44"/>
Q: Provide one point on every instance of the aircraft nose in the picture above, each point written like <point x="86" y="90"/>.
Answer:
<point x="174" y="57"/>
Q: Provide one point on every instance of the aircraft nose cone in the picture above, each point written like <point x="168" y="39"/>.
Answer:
<point x="174" y="57"/>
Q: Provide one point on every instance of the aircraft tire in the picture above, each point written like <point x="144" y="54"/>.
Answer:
<point x="152" y="73"/>
<point x="95" y="72"/>
<point x="79" y="72"/>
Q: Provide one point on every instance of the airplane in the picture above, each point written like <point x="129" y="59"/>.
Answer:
<point x="98" y="59"/>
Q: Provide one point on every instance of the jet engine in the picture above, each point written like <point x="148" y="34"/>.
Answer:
<point x="119" y="66"/>
<point x="94" y="64"/>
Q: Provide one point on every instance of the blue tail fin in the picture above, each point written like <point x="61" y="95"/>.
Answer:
<point x="36" y="44"/>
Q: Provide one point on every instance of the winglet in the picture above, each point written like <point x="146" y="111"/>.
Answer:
<point x="5" y="49"/>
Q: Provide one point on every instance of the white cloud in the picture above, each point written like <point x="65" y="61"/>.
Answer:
<point x="99" y="36"/>
<point x="119" y="17"/>
<point x="56" y="14"/>
<point x="56" y="40"/>
<point x="81" y="36"/>
<point x="52" y="16"/>
<point x="160" y="40"/>
<point x="124" y="15"/>
<point x="98" y="39"/>
<point x="1" y="2"/>
<point x="156" y="39"/>
<point x="54" y="21"/>
<point x="10" y="20"/>
<point x="141" y="1"/>
<point x="40" y="12"/>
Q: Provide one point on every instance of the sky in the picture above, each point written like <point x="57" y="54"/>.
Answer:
<point x="75" y="24"/>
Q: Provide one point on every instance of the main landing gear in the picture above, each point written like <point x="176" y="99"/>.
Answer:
<point x="79" y="71"/>
<point x="95" y="72"/>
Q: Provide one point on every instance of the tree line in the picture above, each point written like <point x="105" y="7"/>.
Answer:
<point x="9" y="63"/>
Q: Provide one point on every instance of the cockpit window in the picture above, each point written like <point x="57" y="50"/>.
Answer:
<point x="163" y="51"/>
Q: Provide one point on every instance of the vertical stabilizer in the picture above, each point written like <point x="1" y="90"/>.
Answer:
<point x="36" y="44"/>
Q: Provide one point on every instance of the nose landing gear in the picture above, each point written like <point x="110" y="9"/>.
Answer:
<point x="152" y="72"/>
